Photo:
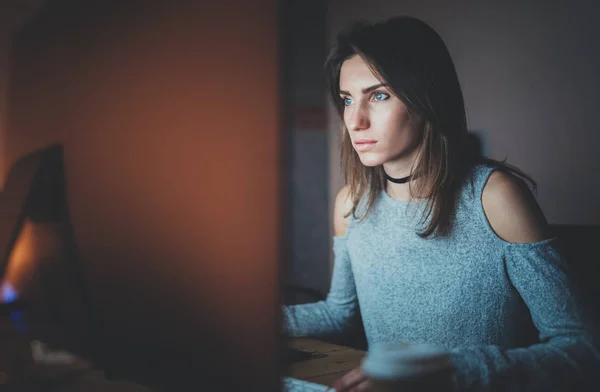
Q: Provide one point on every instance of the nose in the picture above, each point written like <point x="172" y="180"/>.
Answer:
<point x="358" y="119"/>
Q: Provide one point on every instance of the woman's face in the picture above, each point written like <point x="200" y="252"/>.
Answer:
<point x="378" y="122"/>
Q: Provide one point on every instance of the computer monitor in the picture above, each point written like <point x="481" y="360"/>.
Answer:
<point x="37" y="271"/>
<point x="13" y="201"/>
<point x="23" y="199"/>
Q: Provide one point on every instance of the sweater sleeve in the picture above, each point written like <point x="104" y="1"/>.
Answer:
<point x="567" y="356"/>
<point x="338" y="313"/>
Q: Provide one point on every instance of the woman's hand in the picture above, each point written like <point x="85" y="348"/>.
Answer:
<point x="353" y="381"/>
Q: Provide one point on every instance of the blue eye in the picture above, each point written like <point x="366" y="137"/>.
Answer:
<point x="381" y="96"/>
<point x="347" y="101"/>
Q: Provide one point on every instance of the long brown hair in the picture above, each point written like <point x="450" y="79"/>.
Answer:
<point x="413" y="60"/>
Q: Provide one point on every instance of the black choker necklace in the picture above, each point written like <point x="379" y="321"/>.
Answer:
<point x="402" y="180"/>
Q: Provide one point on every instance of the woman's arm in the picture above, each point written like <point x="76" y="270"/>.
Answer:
<point x="338" y="313"/>
<point x="567" y="355"/>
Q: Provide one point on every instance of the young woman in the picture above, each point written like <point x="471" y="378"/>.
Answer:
<point x="433" y="244"/>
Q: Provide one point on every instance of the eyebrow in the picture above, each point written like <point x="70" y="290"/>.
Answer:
<point x="366" y="89"/>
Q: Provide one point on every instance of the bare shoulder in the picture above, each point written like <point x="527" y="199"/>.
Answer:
<point x="343" y="205"/>
<point x="512" y="211"/>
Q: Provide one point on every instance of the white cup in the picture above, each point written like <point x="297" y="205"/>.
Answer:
<point x="409" y="368"/>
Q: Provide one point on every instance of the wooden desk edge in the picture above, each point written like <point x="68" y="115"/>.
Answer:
<point x="326" y="370"/>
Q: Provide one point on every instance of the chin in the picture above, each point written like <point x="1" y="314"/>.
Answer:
<point x="370" y="161"/>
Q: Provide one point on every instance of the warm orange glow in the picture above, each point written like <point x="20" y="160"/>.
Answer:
<point x="34" y="243"/>
<point x="21" y="260"/>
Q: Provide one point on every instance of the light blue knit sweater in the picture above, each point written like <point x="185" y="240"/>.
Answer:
<point x="470" y="292"/>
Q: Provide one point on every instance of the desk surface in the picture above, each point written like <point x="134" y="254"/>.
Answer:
<point x="326" y="370"/>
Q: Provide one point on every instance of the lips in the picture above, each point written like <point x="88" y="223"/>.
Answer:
<point x="364" y="144"/>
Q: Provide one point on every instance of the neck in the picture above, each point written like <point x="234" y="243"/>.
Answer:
<point x="398" y="186"/>
<point x="399" y="170"/>
<point x="402" y="165"/>
<point x="398" y="191"/>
